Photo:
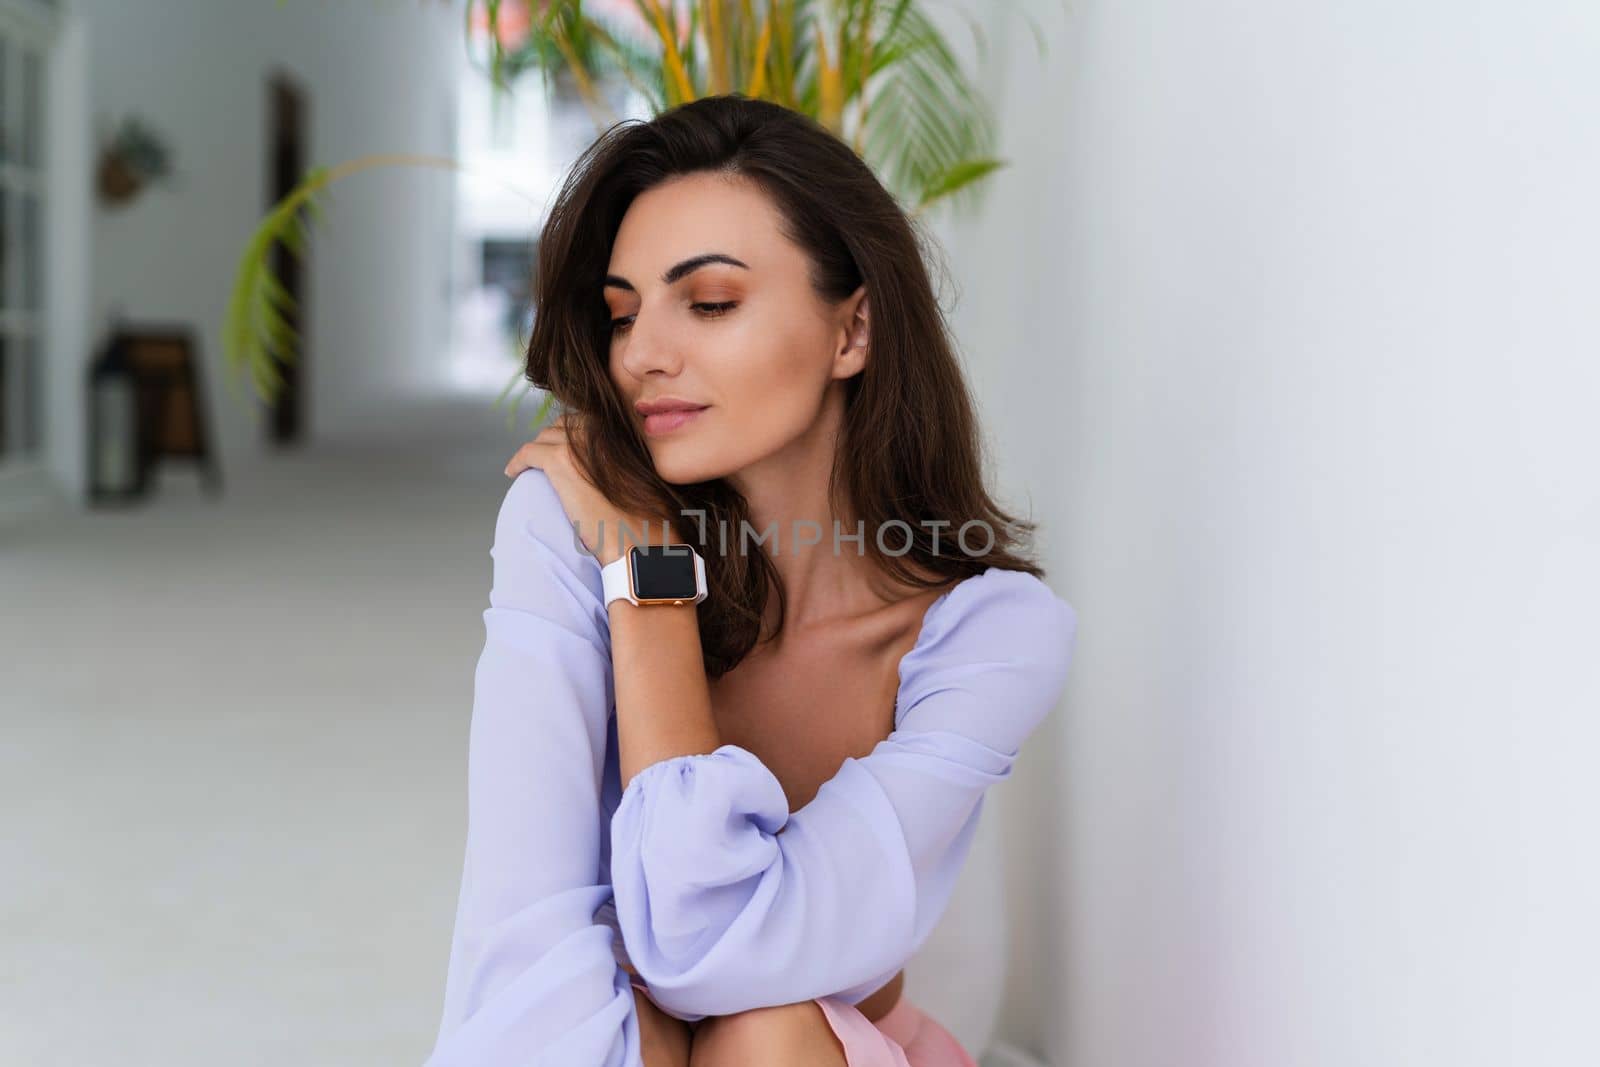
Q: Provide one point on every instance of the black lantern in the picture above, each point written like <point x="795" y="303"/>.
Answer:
<point x="116" y="467"/>
<point x="144" y="409"/>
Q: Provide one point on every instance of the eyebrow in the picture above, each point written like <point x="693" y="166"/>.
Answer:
<point x="678" y="270"/>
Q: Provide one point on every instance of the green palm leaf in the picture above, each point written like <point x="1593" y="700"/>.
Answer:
<point x="879" y="72"/>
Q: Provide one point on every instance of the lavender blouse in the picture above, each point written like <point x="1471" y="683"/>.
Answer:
<point x="686" y="868"/>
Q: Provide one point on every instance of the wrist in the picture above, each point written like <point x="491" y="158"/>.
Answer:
<point x="631" y="532"/>
<point x="664" y="572"/>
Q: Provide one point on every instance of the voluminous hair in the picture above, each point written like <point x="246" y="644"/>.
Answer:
<point x="910" y="449"/>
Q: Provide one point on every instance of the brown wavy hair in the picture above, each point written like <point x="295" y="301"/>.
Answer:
<point x="910" y="449"/>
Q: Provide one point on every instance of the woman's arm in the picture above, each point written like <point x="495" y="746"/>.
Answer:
<point x="532" y="978"/>
<point x="663" y="701"/>
<point x="728" y="902"/>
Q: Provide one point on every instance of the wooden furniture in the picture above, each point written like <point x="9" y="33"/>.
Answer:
<point x="159" y="369"/>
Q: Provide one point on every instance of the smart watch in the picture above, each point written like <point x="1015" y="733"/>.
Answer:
<point x="655" y="574"/>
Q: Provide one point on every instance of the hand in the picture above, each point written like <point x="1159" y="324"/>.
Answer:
<point x="550" y="451"/>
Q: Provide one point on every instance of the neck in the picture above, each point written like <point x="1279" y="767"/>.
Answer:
<point x="787" y="494"/>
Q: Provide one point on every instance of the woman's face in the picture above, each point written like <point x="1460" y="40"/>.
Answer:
<point x="742" y="334"/>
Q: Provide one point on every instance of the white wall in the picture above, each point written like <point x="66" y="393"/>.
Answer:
<point x="1286" y="315"/>
<point x="380" y="78"/>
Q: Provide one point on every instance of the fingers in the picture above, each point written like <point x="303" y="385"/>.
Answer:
<point x="542" y="450"/>
<point x="532" y="454"/>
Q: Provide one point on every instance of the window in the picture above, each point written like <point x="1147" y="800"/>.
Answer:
<point x="525" y="142"/>
<point x="25" y="27"/>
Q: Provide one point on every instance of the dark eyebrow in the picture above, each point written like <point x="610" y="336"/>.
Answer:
<point x="678" y="270"/>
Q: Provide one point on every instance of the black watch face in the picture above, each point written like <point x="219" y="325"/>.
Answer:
<point x="663" y="572"/>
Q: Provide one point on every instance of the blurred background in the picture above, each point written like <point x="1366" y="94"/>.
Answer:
<point x="1282" y="318"/>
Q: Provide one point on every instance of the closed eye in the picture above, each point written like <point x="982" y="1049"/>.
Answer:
<point x="710" y="311"/>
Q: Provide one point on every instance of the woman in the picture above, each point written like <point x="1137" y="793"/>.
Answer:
<point x="713" y="832"/>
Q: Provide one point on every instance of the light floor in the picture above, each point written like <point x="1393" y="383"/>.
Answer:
<point x="232" y="765"/>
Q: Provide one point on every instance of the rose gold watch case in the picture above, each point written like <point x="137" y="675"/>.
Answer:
<point x="699" y="580"/>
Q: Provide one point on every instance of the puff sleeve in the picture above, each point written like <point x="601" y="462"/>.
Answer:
<point x="532" y="978"/>
<point x="726" y="901"/>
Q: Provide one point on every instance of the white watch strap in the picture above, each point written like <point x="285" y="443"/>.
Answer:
<point x="614" y="580"/>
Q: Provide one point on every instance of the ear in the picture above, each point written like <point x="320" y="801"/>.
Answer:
<point x="850" y="357"/>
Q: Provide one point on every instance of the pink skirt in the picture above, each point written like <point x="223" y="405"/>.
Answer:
<point x="905" y="1037"/>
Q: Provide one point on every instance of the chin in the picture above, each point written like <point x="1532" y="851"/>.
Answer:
<point x="685" y="466"/>
<point x="680" y="469"/>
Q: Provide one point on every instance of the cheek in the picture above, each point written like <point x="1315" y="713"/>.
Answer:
<point x="620" y="379"/>
<point x="769" y="379"/>
<point x="786" y="347"/>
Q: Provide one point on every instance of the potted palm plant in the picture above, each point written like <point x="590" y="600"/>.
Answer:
<point x="878" y="73"/>
<point x="134" y="156"/>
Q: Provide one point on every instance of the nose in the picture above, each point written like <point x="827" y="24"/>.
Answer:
<point x="649" y="347"/>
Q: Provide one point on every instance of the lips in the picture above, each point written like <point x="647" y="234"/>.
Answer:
<point x="667" y="421"/>
<point x="658" y="405"/>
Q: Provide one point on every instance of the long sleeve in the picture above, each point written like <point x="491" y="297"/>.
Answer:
<point x="532" y="977"/>
<point x="720" y="912"/>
